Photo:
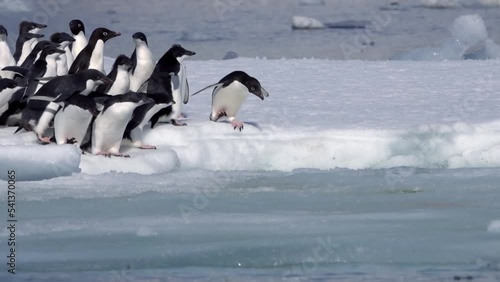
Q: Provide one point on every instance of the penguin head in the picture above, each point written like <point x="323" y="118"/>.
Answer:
<point x="51" y="50"/>
<point x="254" y="87"/>
<point x="103" y="34"/>
<point x="40" y="45"/>
<point x="61" y="38"/>
<point x="3" y="33"/>
<point x="180" y="53"/>
<point x="96" y="76"/>
<point x="140" y="37"/>
<point x="30" y="27"/>
<point x="123" y="62"/>
<point x="76" y="26"/>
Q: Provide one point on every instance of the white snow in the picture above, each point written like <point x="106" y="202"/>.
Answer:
<point x="301" y="22"/>
<point x="320" y="114"/>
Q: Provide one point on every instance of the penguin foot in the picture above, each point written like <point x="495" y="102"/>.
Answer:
<point x="237" y="125"/>
<point x="43" y="140"/>
<point x="147" y="147"/>
<point x="182" y="115"/>
<point x="109" y="155"/>
<point x="71" y="141"/>
<point x="176" y="123"/>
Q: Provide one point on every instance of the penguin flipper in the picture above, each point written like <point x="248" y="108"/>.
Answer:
<point x="186" y="92"/>
<point x="79" y="64"/>
<point x="134" y="61"/>
<point x="22" y="71"/>
<point x="210" y="86"/>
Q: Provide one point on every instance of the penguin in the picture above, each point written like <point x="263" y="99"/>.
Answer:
<point x="78" y="30"/>
<point x="120" y="77"/>
<point x="230" y="93"/>
<point x="110" y="124"/>
<point x="64" y="40"/>
<point x="169" y="78"/>
<point x="92" y="56"/>
<point x="141" y="117"/>
<point x="6" y="57"/>
<point x="6" y="85"/>
<point x="42" y="107"/>
<point x="28" y="37"/>
<point x="45" y="66"/>
<point x="35" y="53"/>
<point x="143" y="62"/>
<point x="72" y="121"/>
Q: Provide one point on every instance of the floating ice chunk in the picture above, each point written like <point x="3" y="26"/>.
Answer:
<point x="35" y="162"/>
<point x="468" y="36"/>
<point x="489" y="3"/>
<point x="198" y="37"/>
<point x="311" y="2"/>
<point x="230" y="55"/>
<point x="300" y="22"/>
<point x="440" y="4"/>
<point x="494" y="226"/>
<point x="469" y="31"/>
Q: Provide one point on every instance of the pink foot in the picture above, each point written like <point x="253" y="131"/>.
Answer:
<point x="237" y="125"/>
<point x="147" y="147"/>
<point x="44" y="140"/>
<point x="182" y="116"/>
<point x="176" y="123"/>
<point x="120" y="155"/>
<point x="106" y="154"/>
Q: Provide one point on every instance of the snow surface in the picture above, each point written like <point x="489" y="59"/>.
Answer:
<point x="320" y="115"/>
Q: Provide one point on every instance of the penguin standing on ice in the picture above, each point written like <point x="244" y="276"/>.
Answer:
<point x="64" y="40"/>
<point x="45" y="66"/>
<point x="120" y="75"/>
<point x="143" y="63"/>
<point x="78" y="30"/>
<point x="6" y="57"/>
<point x="46" y="102"/>
<point x="28" y="37"/>
<point x="169" y="77"/>
<point x="230" y="93"/>
<point x="110" y="124"/>
<point x="92" y="56"/>
<point x="73" y="119"/>
<point x="141" y="117"/>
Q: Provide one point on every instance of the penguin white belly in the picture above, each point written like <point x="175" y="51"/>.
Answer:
<point x="62" y="65"/>
<point x="46" y="118"/>
<point x="6" y="58"/>
<point x="79" y="44"/>
<point x="69" y="57"/>
<point x="71" y="122"/>
<point x="6" y="95"/>
<point x="109" y="127"/>
<point x="25" y="51"/>
<point x="97" y="57"/>
<point x="229" y="99"/>
<point x="51" y="67"/>
<point x="143" y="72"/>
<point x="121" y="84"/>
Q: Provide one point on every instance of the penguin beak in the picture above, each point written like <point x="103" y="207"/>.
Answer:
<point x="60" y="51"/>
<point x="34" y="35"/>
<point x="114" y="34"/>
<point x="37" y="25"/>
<point x="190" y="53"/>
<point x="258" y="93"/>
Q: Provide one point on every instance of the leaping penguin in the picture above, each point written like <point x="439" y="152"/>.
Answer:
<point x="92" y="56"/>
<point x="230" y="93"/>
<point x="143" y="63"/>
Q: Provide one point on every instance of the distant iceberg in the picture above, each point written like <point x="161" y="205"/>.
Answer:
<point x="469" y="40"/>
<point x="300" y="22"/>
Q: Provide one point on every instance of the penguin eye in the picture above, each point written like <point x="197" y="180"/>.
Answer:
<point x="105" y="33"/>
<point x="79" y="25"/>
<point x="252" y="88"/>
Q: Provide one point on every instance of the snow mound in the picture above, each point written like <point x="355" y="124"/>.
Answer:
<point x="300" y="22"/>
<point x="469" y="40"/>
<point x="36" y="162"/>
